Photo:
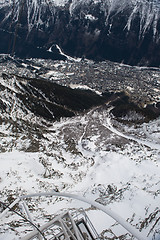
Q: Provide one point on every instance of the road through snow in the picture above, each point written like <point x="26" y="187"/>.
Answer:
<point x="110" y="127"/>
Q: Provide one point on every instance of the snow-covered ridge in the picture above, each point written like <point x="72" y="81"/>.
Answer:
<point x="116" y="30"/>
<point x="148" y="11"/>
<point x="35" y="2"/>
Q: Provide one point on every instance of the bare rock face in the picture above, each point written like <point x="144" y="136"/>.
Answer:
<point x="122" y="31"/>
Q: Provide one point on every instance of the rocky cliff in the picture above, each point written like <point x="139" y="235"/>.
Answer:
<point x="118" y="30"/>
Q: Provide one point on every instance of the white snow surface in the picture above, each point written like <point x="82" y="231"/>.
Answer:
<point x="93" y="155"/>
<point x="78" y="156"/>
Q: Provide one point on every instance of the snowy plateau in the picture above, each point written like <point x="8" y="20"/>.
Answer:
<point x="93" y="150"/>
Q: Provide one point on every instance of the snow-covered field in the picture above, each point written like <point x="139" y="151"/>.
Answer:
<point x="112" y="161"/>
<point x="91" y="155"/>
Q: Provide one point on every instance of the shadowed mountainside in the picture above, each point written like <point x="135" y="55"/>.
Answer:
<point x="121" y="31"/>
<point x="52" y="101"/>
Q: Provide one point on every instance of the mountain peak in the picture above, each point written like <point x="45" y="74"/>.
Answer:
<point x="120" y="31"/>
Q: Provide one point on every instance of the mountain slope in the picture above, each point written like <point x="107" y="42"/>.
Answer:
<point x="45" y="98"/>
<point x="123" y="30"/>
<point x="101" y="153"/>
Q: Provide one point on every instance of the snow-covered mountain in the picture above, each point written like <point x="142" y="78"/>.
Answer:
<point x="79" y="126"/>
<point x="118" y="30"/>
<point x="87" y="128"/>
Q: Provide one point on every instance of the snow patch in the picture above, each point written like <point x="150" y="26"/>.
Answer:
<point x="85" y="87"/>
<point x="90" y="17"/>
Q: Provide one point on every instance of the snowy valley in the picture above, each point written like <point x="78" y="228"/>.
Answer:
<point x="91" y="150"/>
